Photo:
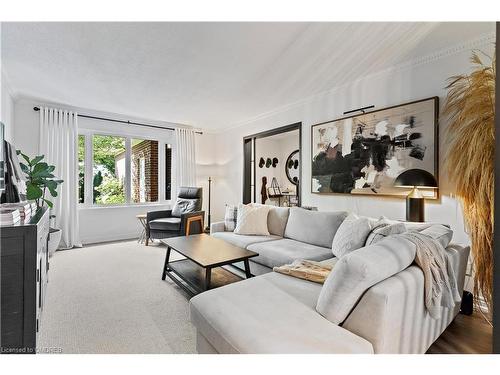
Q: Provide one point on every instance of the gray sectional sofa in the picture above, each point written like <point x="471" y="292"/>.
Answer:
<point x="294" y="234"/>
<point x="275" y="313"/>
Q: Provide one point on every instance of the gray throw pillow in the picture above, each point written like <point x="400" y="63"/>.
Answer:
<point x="384" y="230"/>
<point x="230" y="218"/>
<point x="183" y="206"/>
<point x="352" y="234"/>
<point x="440" y="233"/>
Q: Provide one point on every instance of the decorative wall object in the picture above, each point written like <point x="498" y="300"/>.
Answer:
<point x="263" y="190"/>
<point x="261" y="163"/>
<point x="292" y="167"/>
<point x="470" y="107"/>
<point x="363" y="154"/>
<point x="275" y="162"/>
<point x="274" y="190"/>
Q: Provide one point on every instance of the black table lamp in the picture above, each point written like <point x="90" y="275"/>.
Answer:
<point x="415" y="178"/>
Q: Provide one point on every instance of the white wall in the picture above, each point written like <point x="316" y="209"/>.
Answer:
<point x="99" y="224"/>
<point x="206" y="167"/>
<point x="7" y="108"/>
<point x="424" y="78"/>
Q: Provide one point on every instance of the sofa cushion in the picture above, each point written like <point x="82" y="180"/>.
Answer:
<point x="285" y="251"/>
<point x="359" y="270"/>
<point x="277" y="219"/>
<point x="271" y="313"/>
<point x="313" y="227"/>
<point x="352" y="234"/>
<point x="243" y="240"/>
<point x="440" y="233"/>
<point x="410" y="225"/>
<point x="166" y="223"/>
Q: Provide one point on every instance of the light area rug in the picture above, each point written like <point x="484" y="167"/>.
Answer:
<point x="109" y="298"/>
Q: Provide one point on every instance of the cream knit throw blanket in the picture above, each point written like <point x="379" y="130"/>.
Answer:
<point x="440" y="284"/>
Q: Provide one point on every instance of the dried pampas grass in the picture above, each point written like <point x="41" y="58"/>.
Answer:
<point x="470" y="138"/>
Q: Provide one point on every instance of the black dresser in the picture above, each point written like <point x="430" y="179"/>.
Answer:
<point x="24" y="265"/>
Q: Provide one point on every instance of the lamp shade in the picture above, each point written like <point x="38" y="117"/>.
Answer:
<point x="416" y="177"/>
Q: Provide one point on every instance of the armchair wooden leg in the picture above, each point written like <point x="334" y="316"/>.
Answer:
<point x="147" y="240"/>
<point x="191" y="220"/>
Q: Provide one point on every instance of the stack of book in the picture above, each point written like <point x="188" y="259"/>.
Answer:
<point x="9" y="216"/>
<point x="25" y="209"/>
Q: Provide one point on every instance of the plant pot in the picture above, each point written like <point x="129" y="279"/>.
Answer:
<point x="54" y="240"/>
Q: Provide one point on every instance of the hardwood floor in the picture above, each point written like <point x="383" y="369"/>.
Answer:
<point x="465" y="335"/>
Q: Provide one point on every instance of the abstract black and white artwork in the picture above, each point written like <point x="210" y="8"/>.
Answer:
<point x="363" y="154"/>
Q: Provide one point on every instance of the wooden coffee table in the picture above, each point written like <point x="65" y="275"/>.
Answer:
<point x="202" y="270"/>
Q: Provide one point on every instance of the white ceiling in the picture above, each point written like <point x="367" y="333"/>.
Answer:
<point x="210" y="75"/>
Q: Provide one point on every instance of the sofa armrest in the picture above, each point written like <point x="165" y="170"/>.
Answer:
<point x="152" y="215"/>
<point x="392" y="314"/>
<point x="219" y="226"/>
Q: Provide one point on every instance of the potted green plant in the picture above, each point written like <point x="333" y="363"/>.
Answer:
<point x="41" y="182"/>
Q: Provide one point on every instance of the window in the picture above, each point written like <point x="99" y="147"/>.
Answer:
<point x="81" y="169"/>
<point x="115" y="170"/>
<point x="144" y="164"/>
<point x="108" y="169"/>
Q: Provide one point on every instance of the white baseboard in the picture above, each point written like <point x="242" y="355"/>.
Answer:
<point x="108" y="238"/>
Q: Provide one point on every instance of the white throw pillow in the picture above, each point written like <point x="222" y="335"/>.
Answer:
<point x="252" y="220"/>
<point x="352" y="234"/>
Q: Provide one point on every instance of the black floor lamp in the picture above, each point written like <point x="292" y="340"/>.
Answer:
<point x="415" y="178"/>
<point x="207" y="228"/>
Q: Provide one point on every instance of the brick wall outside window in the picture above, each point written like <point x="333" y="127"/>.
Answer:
<point x="149" y="151"/>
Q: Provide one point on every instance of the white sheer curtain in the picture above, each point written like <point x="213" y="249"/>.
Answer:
<point x="185" y="158"/>
<point x="59" y="144"/>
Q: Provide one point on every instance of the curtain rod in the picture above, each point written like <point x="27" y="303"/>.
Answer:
<point x="122" y="121"/>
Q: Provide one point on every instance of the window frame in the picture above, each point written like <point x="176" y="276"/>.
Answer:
<point x="89" y="163"/>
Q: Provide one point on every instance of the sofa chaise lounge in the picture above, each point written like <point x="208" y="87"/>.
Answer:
<point x="275" y="313"/>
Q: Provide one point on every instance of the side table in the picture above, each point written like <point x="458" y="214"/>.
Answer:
<point x="143" y="220"/>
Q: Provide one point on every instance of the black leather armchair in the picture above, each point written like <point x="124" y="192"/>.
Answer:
<point x="185" y="215"/>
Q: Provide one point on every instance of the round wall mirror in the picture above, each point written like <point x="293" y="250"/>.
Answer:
<point x="292" y="167"/>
